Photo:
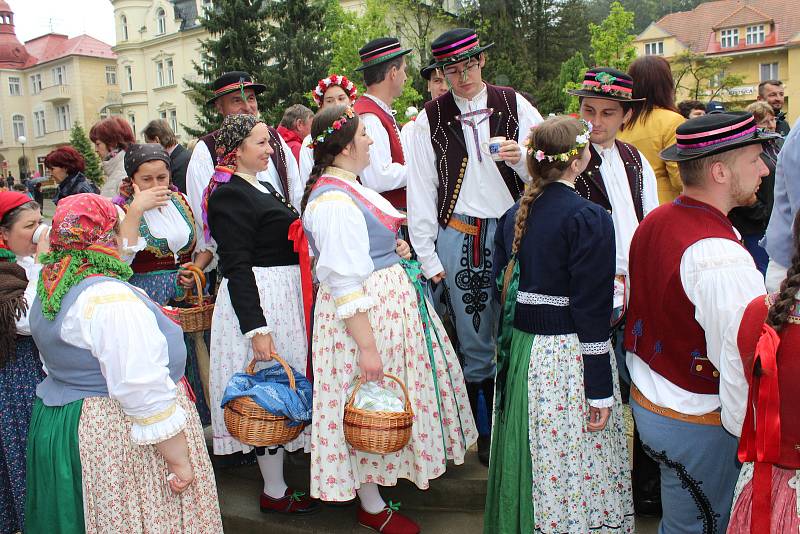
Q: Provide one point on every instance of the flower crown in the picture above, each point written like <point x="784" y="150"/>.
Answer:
<point x="337" y="125"/>
<point x="334" y="79"/>
<point x="581" y="140"/>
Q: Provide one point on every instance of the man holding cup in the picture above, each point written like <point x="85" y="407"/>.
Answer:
<point x="466" y="169"/>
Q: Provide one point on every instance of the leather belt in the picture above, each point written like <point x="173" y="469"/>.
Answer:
<point x="711" y="418"/>
<point x="461" y="226"/>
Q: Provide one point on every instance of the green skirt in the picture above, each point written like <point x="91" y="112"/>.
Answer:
<point x="509" y="501"/>
<point x="54" y="503"/>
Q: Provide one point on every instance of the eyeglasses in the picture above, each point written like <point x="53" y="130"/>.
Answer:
<point x="471" y="65"/>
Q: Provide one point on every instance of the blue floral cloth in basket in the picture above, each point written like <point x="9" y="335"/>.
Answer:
<point x="270" y="389"/>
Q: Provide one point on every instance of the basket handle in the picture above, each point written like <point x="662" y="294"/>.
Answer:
<point x="251" y="369"/>
<point x="199" y="279"/>
<point x="361" y="381"/>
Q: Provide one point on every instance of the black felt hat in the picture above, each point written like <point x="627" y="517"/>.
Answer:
<point x="608" y="84"/>
<point x="715" y="133"/>
<point x="456" y="45"/>
<point x="233" y="81"/>
<point x="427" y="71"/>
<point x="379" y="51"/>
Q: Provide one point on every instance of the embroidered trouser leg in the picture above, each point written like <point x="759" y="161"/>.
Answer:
<point x="467" y="260"/>
<point x="698" y="471"/>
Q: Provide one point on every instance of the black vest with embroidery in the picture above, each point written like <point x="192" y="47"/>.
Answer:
<point x="278" y="156"/>
<point x="590" y="184"/>
<point x="449" y="145"/>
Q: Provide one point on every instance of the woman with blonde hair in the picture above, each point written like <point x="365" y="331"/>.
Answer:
<point x="559" y="453"/>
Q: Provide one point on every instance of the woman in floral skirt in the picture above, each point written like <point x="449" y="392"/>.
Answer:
<point x="370" y="318"/>
<point x="559" y="459"/>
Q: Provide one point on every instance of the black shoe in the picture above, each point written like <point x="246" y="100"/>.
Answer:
<point x="484" y="443"/>
<point x="648" y="507"/>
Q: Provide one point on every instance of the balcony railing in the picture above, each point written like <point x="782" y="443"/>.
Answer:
<point x="56" y="93"/>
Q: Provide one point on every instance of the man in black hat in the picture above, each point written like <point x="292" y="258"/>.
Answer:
<point x="691" y="280"/>
<point x="437" y="86"/>
<point x="383" y="65"/>
<point x="466" y="170"/>
<point x="235" y="93"/>
<point x="620" y="179"/>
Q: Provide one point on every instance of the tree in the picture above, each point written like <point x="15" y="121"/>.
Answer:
<point x="703" y="77"/>
<point x="570" y="77"/>
<point x="237" y="29"/>
<point x="612" y="42"/>
<point x="80" y="142"/>
<point x="297" y="54"/>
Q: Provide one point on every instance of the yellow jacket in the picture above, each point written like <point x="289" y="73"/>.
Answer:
<point x="651" y="137"/>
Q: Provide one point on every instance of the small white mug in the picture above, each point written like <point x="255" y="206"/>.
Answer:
<point x="42" y="230"/>
<point x="492" y="147"/>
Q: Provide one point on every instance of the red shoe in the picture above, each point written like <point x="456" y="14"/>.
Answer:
<point x="387" y="521"/>
<point x="293" y="502"/>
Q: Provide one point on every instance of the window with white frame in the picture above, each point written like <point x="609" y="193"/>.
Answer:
<point x="729" y="38"/>
<point x="59" y="75"/>
<point x="769" y="71"/>
<point x="716" y="79"/>
<point x="1" y="130"/>
<point x="123" y="22"/>
<point x="755" y="34"/>
<point x="173" y="121"/>
<point x="161" y="22"/>
<point x="39" y="126"/>
<point x="36" y="83"/>
<point x="17" y="125"/>
<point x="654" y="49"/>
<point x="160" y="74"/>
<point x="169" y="67"/>
<point x="129" y="77"/>
<point x="132" y="121"/>
<point x="62" y="117"/>
<point x="111" y="75"/>
<point x="14" y="86"/>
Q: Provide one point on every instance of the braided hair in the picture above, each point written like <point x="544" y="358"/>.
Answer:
<point x="556" y="135"/>
<point x="326" y="151"/>
<point x="779" y="311"/>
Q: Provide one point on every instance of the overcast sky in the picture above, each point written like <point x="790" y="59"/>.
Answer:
<point x="33" y="18"/>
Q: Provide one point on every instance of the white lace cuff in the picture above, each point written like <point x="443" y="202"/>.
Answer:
<point x="128" y="251"/>
<point x="159" y="427"/>
<point x="260" y="330"/>
<point x="601" y="403"/>
<point x="212" y="248"/>
<point x="353" y="303"/>
<point x="598" y="348"/>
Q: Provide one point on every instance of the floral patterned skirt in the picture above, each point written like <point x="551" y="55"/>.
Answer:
<point x="443" y="426"/>
<point x="785" y="501"/>
<point x="280" y="292"/>
<point x="579" y="480"/>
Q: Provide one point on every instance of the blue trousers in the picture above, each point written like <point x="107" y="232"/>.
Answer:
<point x="469" y="286"/>
<point x="699" y="470"/>
<point x="760" y="255"/>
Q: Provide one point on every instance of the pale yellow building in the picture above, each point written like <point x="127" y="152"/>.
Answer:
<point x="45" y="86"/>
<point x="762" y="38"/>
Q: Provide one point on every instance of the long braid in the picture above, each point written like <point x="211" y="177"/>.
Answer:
<point x="325" y="160"/>
<point x="779" y="312"/>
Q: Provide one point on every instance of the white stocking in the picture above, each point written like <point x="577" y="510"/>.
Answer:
<point x="271" y="466"/>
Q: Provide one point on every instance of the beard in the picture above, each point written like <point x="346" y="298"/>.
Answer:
<point x="743" y="196"/>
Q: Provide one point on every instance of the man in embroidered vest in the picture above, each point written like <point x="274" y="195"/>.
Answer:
<point x="691" y="280"/>
<point x="383" y="65"/>
<point x="620" y="179"/>
<point x="458" y="187"/>
<point x="235" y="93"/>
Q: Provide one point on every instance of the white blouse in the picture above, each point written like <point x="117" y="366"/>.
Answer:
<point x="32" y="270"/>
<point x="167" y="223"/>
<point x="109" y="320"/>
<point x="333" y="218"/>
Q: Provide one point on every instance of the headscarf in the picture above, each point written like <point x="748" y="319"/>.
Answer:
<point x="83" y="243"/>
<point x="135" y="156"/>
<point x="13" y="282"/>
<point x="234" y="130"/>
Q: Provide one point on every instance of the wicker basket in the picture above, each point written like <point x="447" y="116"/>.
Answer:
<point x="197" y="317"/>
<point x="377" y="432"/>
<point x="253" y="425"/>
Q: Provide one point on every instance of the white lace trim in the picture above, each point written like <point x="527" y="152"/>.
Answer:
<point x="361" y="304"/>
<point x="600" y="347"/>
<point x="608" y="402"/>
<point x="260" y="330"/>
<point x="538" y="298"/>
<point x="161" y="431"/>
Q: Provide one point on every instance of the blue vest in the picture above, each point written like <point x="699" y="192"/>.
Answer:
<point x="73" y="373"/>
<point x="382" y="241"/>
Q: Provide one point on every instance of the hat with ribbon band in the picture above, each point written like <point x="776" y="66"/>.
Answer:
<point x="711" y="134"/>
<point x="456" y="45"/>
<point x="379" y="51"/>
<point x="233" y="81"/>
<point x="607" y="84"/>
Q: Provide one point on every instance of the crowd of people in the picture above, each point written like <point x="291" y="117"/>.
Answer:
<point x="545" y="271"/>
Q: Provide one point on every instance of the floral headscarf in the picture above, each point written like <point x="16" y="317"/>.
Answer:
<point x="234" y="130"/>
<point x="83" y="243"/>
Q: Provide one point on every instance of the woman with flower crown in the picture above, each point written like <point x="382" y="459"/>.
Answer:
<point x="559" y="459"/>
<point x="371" y="318"/>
